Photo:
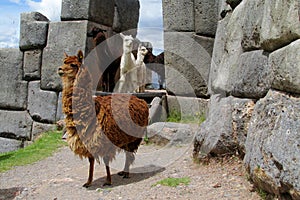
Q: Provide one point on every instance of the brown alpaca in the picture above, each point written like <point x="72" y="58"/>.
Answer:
<point x="100" y="127"/>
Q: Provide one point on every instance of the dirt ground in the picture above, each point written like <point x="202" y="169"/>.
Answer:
<point x="61" y="177"/>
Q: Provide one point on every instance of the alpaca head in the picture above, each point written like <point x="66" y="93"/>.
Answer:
<point x="127" y="42"/>
<point x="142" y="50"/>
<point x="71" y="65"/>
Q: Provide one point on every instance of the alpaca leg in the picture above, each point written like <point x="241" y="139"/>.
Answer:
<point x="128" y="162"/>
<point x="108" y="176"/>
<point x="91" y="172"/>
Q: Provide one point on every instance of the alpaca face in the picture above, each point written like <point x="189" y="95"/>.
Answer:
<point x="127" y="41"/>
<point x="143" y="50"/>
<point x="71" y="65"/>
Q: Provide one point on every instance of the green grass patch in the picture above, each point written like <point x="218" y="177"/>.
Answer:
<point x="174" y="182"/>
<point x="42" y="148"/>
<point x="175" y="116"/>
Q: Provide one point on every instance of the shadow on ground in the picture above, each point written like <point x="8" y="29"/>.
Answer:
<point x="136" y="175"/>
<point x="10" y="193"/>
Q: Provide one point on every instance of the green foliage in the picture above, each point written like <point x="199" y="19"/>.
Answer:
<point x="175" y="116"/>
<point x="263" y="194"/>
<point x="42" y="148"/>
<point x="174" y="182"/>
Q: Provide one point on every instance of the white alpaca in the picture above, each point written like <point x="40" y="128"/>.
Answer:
<point x="141" y="68"/>
<point x="128" y="76"/>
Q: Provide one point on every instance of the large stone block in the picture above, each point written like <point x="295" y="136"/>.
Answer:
<point x="285" y="64"/>
<point x="33" y="31"/>
<point x="41" y="104"/>
<point x="7" y="145"/>
<point x="227" y="51"/>
<point x="126" y="19"/>
<point x="253" y="77"/>
<point x="178" y="15"/>
<point x="32" y="64"/>
<point x="280" y="23"/>
<point x="225" y="128"/>
<point x="187" y="106"/>
<point x="272" y="146"/>
<point x="39" y="128"/>
<point x="99" y="11"/>
<point x="63" y="37"/>
<point x="15" y="124"/>
<point x="206" y="17"/>
<point x="13" y="93"/>
<point x="187" y="65"/>
<point x="270" y="24"/>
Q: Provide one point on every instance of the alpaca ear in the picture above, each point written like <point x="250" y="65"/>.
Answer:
<point x="65" y="54"/>
<point x="80" y="56"/>
<point x="122" y="35"/>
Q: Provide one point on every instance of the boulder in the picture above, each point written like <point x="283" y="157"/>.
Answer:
<point x="41" y="104"/>
<point x="178" y="15"/>
<point x="169" y="133"/>
<point x="13" y="93"/>
<point x="225" y="129"/>
<point x="272" y="146"/>
<point x="32" y="64"/>
<point x="206" y="17"/>
<point x="187" y="65"/>
<point x="253" y="75"/>
<point x="15" y="124"/>
<point x="99" y="11"/>
<point x="33" y="31"/>
<point x="285" y="64"/>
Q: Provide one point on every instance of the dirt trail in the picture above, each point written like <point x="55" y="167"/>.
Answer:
<point x="61" y="177"/>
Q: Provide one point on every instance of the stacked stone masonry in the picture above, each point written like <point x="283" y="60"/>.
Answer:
<point x="254" y="93"/>
<point x="30" y="98"/>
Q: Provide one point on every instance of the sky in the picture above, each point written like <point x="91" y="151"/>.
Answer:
<point x="150" y="24"/>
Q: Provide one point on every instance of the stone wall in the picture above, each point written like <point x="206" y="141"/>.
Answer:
<point x="254" y="85"/>
<point x="30" y="98"/>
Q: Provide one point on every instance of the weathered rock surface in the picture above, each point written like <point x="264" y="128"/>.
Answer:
<point x="13" y="93"/>
<point x="62" y="39"/>
<point x="187" y="106"/>
<point x="39" y="128"/>
<point x="206" y="17"/>
<point x="227" y="50"/>
<point x="225" y="129"/>
<point x="178" y="15"/>
<point x="168" y="133"/>
<point x="7" y="145"/>
<point x="99" y="11"/>
<point x="126" y="19"/>
<point x="187" y="65"/>
<point x="280" y="23"/>
<point x="15" y="124"/>
<point x="41" y="104"/>
<point x="32" y="64"/>
<point x="253" y="76"/>
<point x="33" y="31"/>
<point x="158" y="110"/>
<point x="285" y="64"/>
<point x="272" y="147"/>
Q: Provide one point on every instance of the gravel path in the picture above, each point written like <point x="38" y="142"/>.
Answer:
<point x="61" y="177"/>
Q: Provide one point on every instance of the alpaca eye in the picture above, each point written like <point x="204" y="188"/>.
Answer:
<point x="73" y="65"/>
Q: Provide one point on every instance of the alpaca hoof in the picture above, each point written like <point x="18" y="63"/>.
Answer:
<point x="124" y="174"/>
<point x="107" y="184"/>
<point x="86" y="185"/>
